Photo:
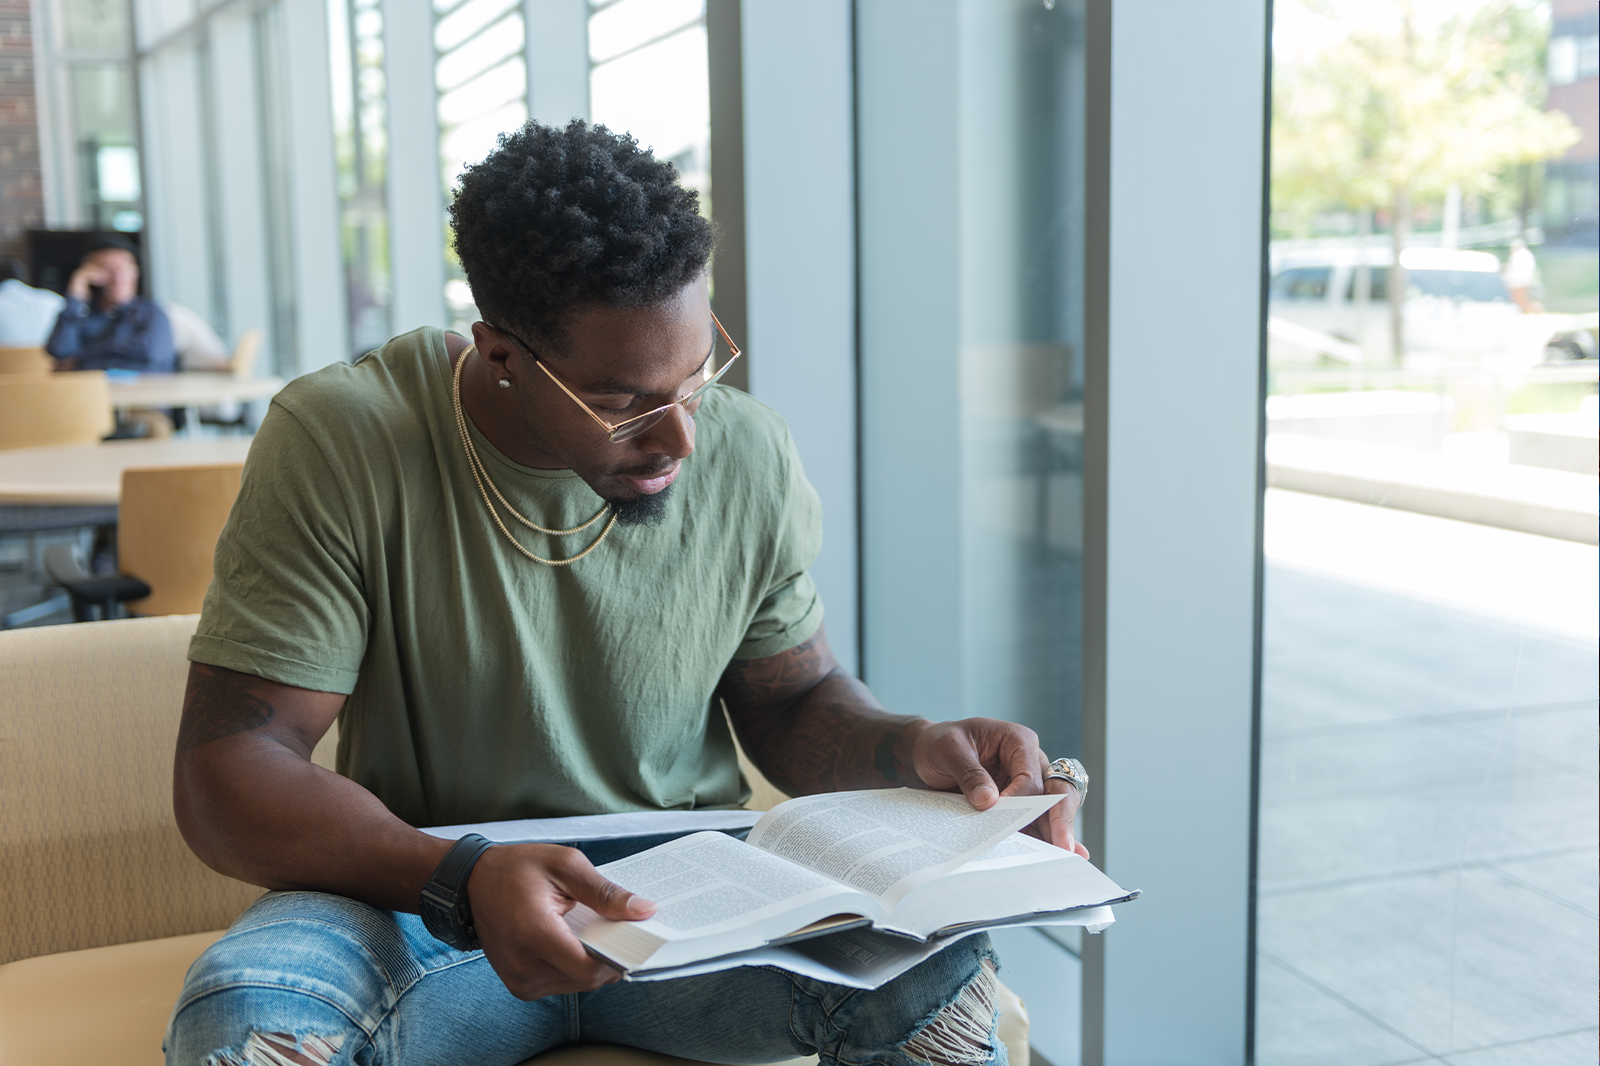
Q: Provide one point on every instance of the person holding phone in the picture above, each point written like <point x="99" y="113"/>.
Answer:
<point x="106" y="324"/>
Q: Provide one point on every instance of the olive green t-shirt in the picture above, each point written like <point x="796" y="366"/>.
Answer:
<point x="361" y="559"/>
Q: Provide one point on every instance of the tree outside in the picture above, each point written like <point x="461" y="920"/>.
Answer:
<point x="1392" y="110"/>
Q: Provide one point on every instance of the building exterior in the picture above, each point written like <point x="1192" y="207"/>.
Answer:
<point x="1572" y="183"/>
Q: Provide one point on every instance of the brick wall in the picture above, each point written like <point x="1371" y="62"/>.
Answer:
<point x="21" y="194"/>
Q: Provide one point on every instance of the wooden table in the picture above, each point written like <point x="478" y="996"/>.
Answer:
<point x="190" y="391"/>
<point x="92" y="473"/>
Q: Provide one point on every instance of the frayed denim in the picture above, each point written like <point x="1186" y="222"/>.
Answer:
<point x="340" y="982"/>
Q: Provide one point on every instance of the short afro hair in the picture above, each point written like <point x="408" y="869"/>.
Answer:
<point x="555" y="219"/>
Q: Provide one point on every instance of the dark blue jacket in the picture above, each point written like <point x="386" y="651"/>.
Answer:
<point x="135" y="336"/>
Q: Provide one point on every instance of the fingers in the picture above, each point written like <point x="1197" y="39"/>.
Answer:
<point x="969" y="755"/>
<point x="1025" y="765"/>
<point x="584" y="883"/>
<point x="520" y="896"/>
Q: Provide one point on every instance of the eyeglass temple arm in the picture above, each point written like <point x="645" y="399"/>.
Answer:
<point x="608" y="427"/>
<point x="732" y="347"/>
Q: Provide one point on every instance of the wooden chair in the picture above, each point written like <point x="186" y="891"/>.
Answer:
<point x="244" y="353"/>
<point x="39" y="411"/>
<point x="25" y="361"/>
<point x="167" y="529"/>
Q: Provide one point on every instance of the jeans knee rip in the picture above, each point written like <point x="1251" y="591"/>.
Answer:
<point x="275" y="1049"/>
<point x="962" y="1033"/>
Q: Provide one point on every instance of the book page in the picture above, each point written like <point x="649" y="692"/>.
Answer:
<point x="887" y="842"/>
<point x="685" y="878"/>
<point x="1019" y="879"/>
<point x="713" y="895"/>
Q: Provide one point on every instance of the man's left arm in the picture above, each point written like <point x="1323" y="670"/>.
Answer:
<point x="811" y="727"/>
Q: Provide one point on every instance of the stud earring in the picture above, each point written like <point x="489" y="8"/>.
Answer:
<point x="505" y="383"/>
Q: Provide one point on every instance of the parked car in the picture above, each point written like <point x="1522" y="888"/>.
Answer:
<point x="1457" y="306"/>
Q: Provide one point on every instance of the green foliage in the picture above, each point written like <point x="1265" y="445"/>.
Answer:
<point x="1389" y="111"/>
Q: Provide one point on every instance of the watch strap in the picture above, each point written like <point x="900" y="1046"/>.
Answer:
<point x="444" y="907"/>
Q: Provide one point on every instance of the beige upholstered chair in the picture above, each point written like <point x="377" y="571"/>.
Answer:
<point x="25" y="361"/>
<point x="41" y="410"/>
<point x="105" y="906"/>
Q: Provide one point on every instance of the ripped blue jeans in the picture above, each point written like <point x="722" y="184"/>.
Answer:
<point x="340" y="982"/>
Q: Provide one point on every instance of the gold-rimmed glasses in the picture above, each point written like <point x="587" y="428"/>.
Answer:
<point x="632" y="427"/>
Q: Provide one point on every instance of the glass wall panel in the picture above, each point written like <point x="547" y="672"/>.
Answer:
<point x="1427" y="849"/>
<point x="94" y="25"/>
<point x="482" y="79"/>
<point x="971" y="136"/>
<point x="108" y="160"/>
<point x="355" y="50"/>
<point x="649" y="77"/>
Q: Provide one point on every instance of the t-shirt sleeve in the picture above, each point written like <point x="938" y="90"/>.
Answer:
<point x="791" y="610"/>
<point x="286" y="600"/>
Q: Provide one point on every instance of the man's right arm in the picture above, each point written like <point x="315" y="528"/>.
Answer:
<point x="253" y="805"/>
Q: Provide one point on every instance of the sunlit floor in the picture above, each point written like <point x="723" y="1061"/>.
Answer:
<point x="1429" y="823"/>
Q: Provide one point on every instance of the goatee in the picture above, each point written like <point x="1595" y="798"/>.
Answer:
<point x="643" y="510"/>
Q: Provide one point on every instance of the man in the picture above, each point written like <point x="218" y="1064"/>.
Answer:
<point x="106" y="324"/>
<point x="27" y="314"/>
<point x="520" y="574"/>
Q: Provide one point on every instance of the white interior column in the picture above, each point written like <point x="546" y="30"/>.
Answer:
<point x="241" y="173"/>
<point x="558" y="60"/>
<point x="177" y="233"/>
<point x="1172" y="409"/>
<point x="415" y="191"/>
<point x="321" y="320"/>
<point x="799" y="183"/>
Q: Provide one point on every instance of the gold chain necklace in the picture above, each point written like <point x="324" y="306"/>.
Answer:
<point x="480" y="474"/>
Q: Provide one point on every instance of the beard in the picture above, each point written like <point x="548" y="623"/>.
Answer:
<point x="643" y="510"/>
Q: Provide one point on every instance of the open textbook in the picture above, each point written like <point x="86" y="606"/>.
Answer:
<point x="919" y="868"/>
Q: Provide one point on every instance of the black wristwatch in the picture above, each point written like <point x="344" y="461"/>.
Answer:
<point x="445" y="910"/>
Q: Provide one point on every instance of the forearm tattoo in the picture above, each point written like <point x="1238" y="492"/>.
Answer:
<point x="218" y="704"/>
<point x="812" y="728"/>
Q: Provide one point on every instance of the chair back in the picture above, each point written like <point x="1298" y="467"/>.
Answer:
<point x="90" y="854"/>
<point x="39" y="411"/>
<point x="244" y="353"/>
<point x="168" y="522"/>
<point x="25" y="361"/>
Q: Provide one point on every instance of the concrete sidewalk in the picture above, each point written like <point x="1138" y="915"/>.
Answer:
<point x="1528" y="499"/>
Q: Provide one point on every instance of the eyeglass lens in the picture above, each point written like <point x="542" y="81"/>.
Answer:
<point x="632" y="428"/>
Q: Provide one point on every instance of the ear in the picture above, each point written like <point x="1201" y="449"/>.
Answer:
<point x="495" y="350"/>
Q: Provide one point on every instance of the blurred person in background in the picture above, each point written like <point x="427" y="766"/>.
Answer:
<point x="106" y="324"/>
<point x="27" y="314"/>
<point x="197" y="345"/>
<point x="1521" y="275"/>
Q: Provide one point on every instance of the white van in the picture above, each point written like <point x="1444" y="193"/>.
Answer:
<point x="1457" y="307"/>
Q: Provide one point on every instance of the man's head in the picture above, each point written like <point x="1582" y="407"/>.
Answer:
<point x="587" y="261"/>
<point x="556" y="219"/>
<point x="113" y="265"/>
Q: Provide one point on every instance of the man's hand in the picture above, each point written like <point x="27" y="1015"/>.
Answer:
<point x="985" y="759"/>
<point x="519" y="894"/>
<point x="86" y="276"/>
<point x="812" y="728"/>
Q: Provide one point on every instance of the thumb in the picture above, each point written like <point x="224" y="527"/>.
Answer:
<point x="978" y="787"/>
<point x="607" y="898"/>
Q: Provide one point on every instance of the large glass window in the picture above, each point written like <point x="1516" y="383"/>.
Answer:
<point x="482" y="78"/>
<point x="648" y="76"/>
<point x="355" y="51"/>
<point x="90" y="62"/>
<point x="971" y="226"/>
<point x="1427" y="870"/>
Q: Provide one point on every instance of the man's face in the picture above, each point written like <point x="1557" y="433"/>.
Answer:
<point x="118" y="273"/>
<point x="621" y="362"/>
